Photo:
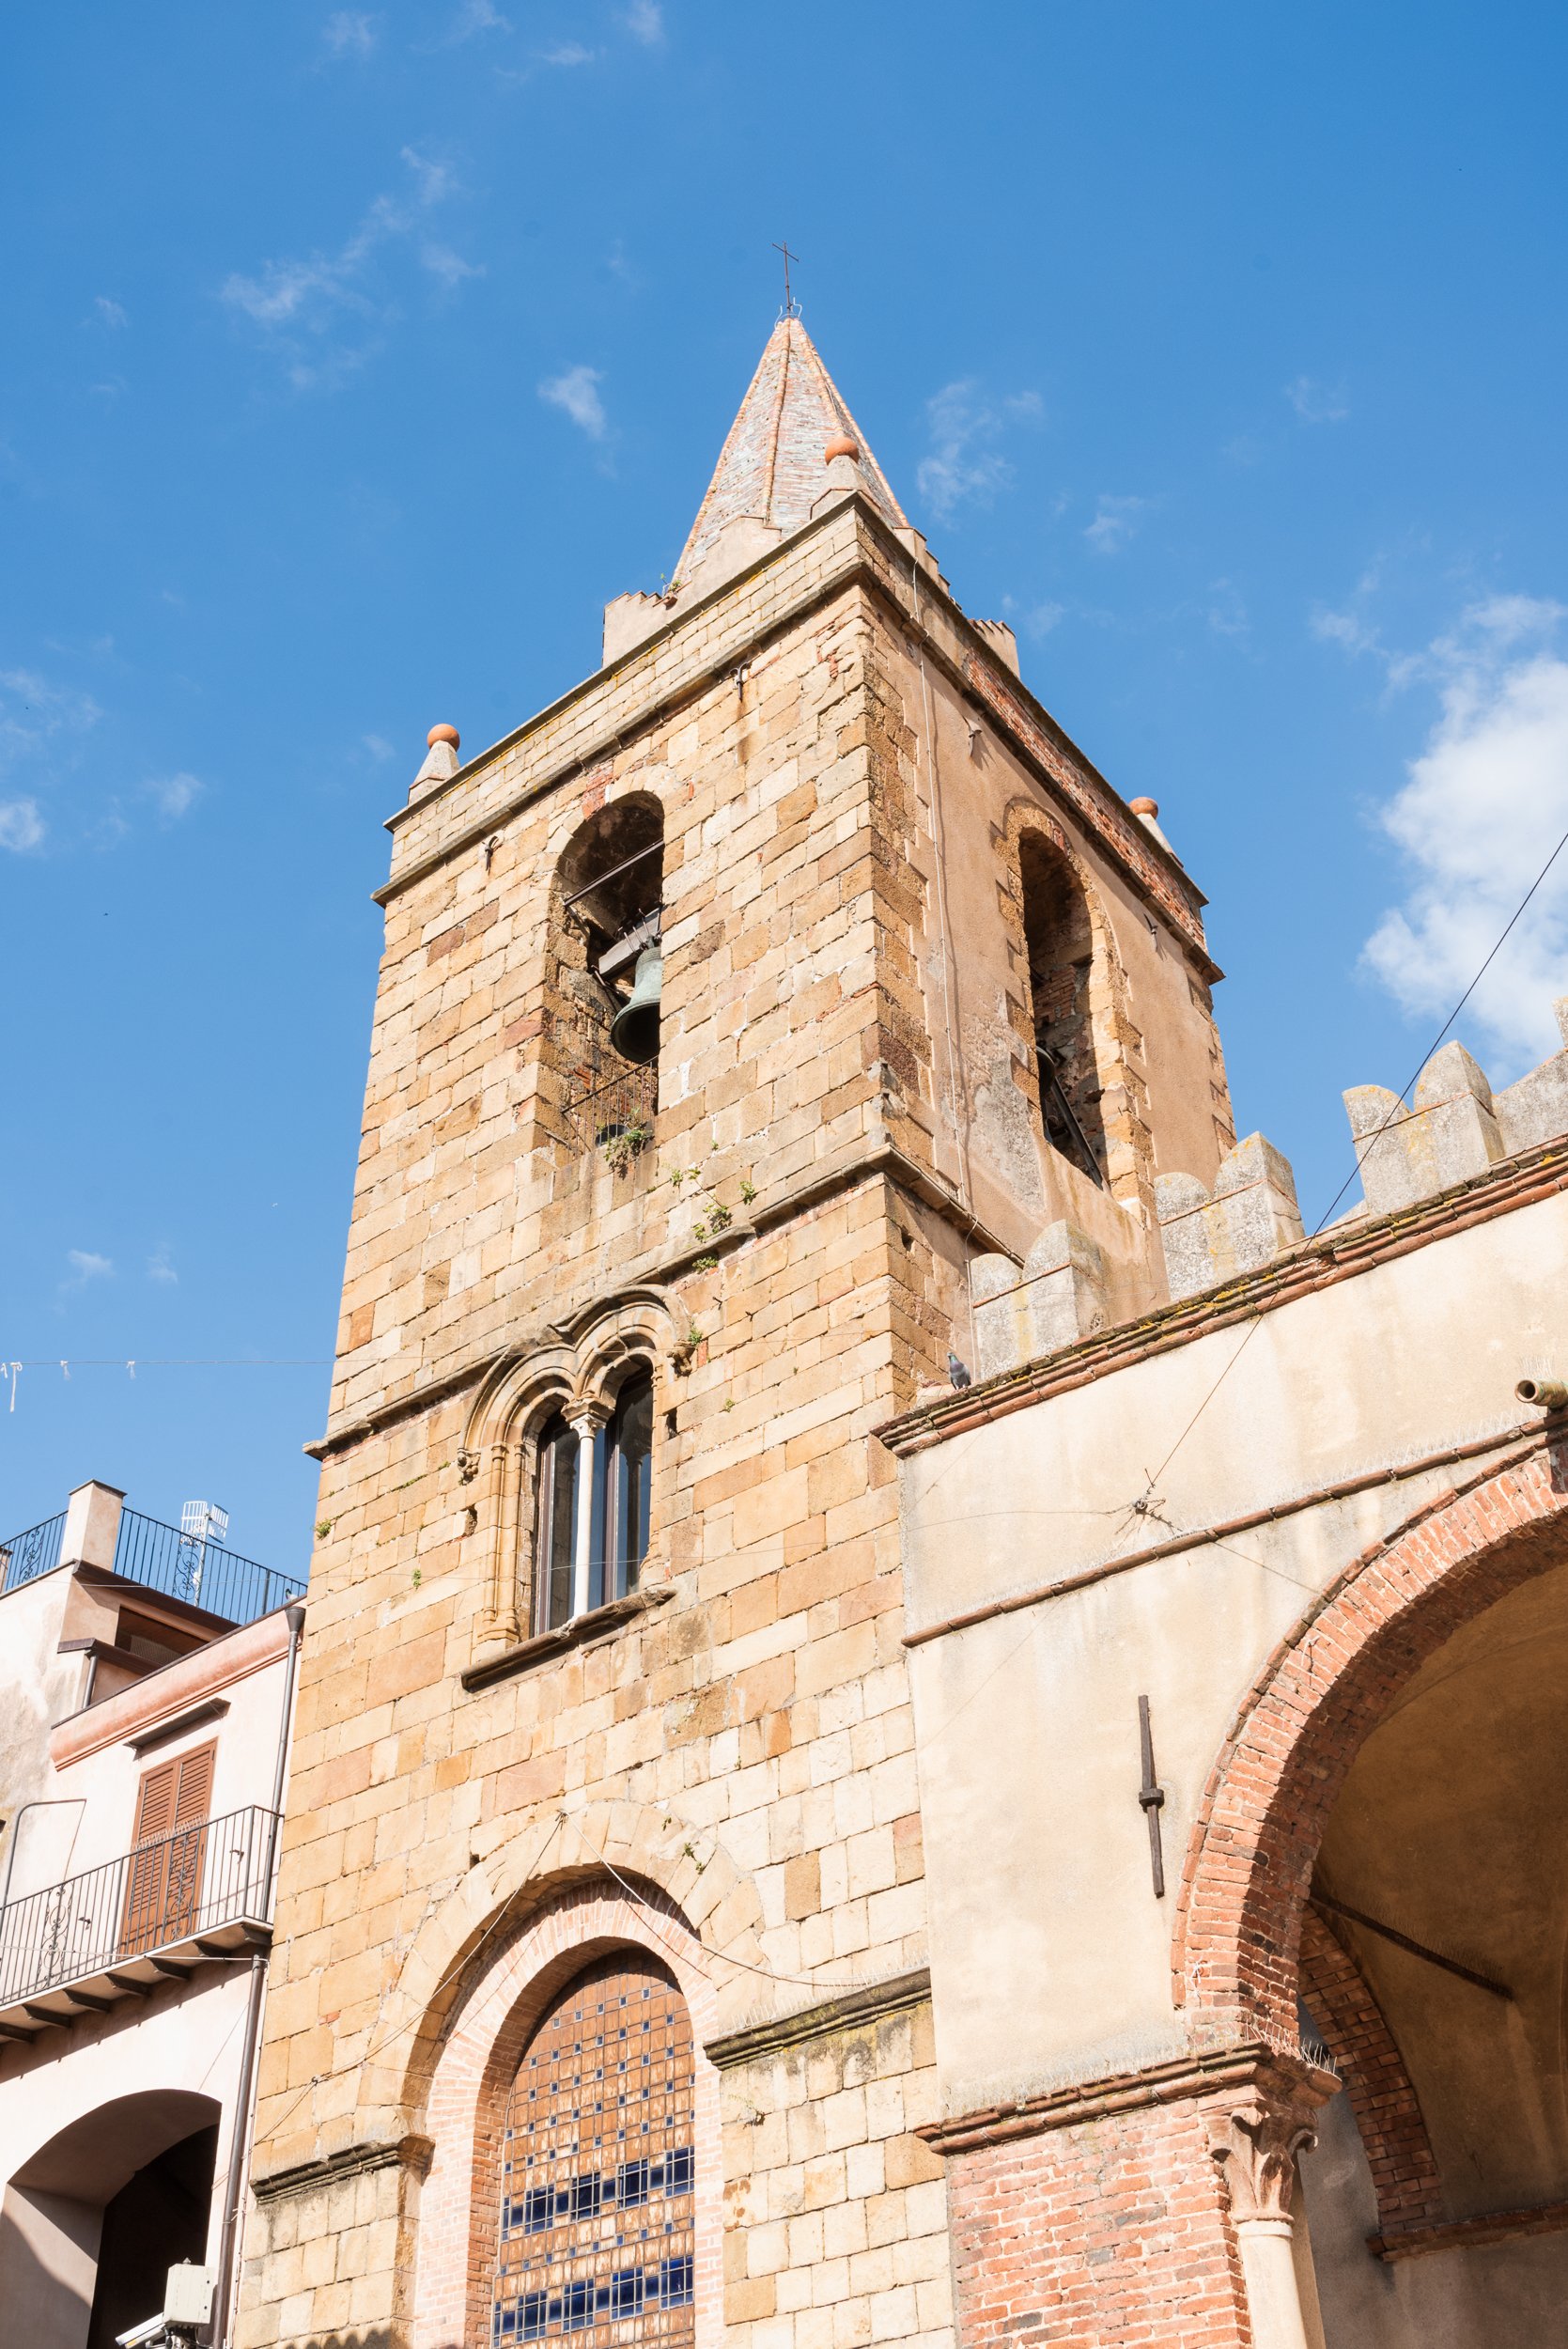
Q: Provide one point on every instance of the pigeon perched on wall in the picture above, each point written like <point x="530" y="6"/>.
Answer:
<point x="958" y="1370"/>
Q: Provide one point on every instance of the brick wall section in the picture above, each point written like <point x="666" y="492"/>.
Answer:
<point x="1382" y="2096"/>
<point x="1256" y="1836"/>
<point x="1110" y="2234"/>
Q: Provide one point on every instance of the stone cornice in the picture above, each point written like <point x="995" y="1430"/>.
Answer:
<point x="1341" y="1253"/>
<point x="1253" y="2064"/>
<point x="865" y="1162"/>
<point x="1455" y="2234"/>
<point x="851" y="2009"/>
<point x="875" y="559"/>
<point x="582" y="1631"/>
<point x="308" y="2177"/>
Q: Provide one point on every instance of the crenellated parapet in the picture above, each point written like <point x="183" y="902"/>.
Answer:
<point x="1057" y="1298"/>
<point x="1452" y="1130"/>
<point x="1249" y="1216"/>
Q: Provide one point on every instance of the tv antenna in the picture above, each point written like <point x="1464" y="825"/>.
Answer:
<point x="200" y="1522"/>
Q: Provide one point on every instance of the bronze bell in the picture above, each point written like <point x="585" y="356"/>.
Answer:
<point x="634" y="1030"/>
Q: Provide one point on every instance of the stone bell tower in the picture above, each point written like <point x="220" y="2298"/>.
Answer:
<point x="733" y="1010"/>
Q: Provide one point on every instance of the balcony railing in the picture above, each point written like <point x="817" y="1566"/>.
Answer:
<point x="25" y="1555"/>
<point x="172" y="1888"/>
<point x="160" y="1558"/>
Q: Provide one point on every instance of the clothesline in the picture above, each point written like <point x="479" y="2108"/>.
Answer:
<point x="10" y="1370"/>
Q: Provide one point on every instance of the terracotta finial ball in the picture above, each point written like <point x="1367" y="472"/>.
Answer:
<point x="442" y="734"/>
<point x="843" y="446"/>
<point x="1145" y="807"/>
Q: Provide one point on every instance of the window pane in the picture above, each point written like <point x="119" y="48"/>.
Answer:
<point x="609" y="2170"/>
<point x="598" y="1549"/>
<point x="554" y="1542"/>
<point x="630" y="1481"/>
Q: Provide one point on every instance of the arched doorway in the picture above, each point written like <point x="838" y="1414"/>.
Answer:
<point x="595" y="2228"/>
<point x="1438" y="2193"/>
<point x="1388" y="1818"/>
<point x="94" y="2220"/>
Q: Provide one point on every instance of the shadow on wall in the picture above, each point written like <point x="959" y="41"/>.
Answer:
<point x="92" y="2222"/>
<point x="158" y="2218"/>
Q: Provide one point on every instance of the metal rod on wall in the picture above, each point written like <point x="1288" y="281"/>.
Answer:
<point x="1152" y="1797"/>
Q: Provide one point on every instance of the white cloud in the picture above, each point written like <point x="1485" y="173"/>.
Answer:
<point x="1482" y="808"/>
<point x="22" y="827"/>
<point x="160" y="1267"/>
<point x="434" y="180"/>
<point x="173" y="795"/>
<point x="644" y="21"/>
<point x="110" y="314"/>
<point x="963" y="463"/>
<point x="1227" y="611"/>
<point x="576" y="393"/>
<point x="85" y="1267"/>
<point x="441" y="261"/>
<point x="479" y="16"/>
<point x="570" y="53"/>
<point x="32" y="710"/>
<point x="1318" y="403"/>
<point x="349" y="34"/>
<point x="298" y="304"/>
<point x="1042" y="617"/>
<point x="379" y="747"/>
<point x="1116" y="520"/>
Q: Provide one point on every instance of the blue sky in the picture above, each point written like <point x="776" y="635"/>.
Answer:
<point x="358" y="356"/>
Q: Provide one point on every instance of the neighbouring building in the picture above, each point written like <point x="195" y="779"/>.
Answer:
<point x="920" y="1722"/>
<point x="143" y="1745"/>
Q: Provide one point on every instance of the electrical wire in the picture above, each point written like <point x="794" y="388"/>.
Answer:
<point x="1256" y="1324"/>
<point x="638" y="1898"/>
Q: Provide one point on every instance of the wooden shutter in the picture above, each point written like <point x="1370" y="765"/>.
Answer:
<point x="163" y="1890"/>
<point x="155" y="1802"/>
<point x="193" y="1798"/>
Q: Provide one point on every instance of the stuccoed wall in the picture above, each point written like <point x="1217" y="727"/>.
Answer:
<point x="1029" y="1719"/>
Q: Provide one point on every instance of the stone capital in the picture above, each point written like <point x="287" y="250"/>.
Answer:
<point x="1256" y="2140"/>
<point x="586" y="1414"/>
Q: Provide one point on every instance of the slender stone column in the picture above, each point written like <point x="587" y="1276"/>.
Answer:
<point x="1256" y="2142"/>
<point x="499" y="1626"/>
<point x="586" y="1419"/>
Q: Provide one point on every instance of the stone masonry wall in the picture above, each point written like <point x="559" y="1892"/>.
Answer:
<point x="839" y="2210"/>
<point x="759" y="1716"/>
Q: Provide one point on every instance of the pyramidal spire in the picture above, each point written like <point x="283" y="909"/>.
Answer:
<point x="771" y="467"/>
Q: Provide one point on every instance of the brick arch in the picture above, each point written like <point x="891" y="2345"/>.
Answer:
<point x="1122" y="1099"/>
<point x="1382" y="2095"/>
<point x="549" y="1853"/>
<point x="1326" y="1687"/>
<point x="504" y="1999"/>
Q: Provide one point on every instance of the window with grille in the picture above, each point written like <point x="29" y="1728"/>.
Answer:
<point x="596" y="2235"/>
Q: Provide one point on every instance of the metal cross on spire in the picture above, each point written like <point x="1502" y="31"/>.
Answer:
<point x="791" y="308"/>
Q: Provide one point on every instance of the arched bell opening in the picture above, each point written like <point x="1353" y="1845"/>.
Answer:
<point x="606" y="975"/>
<point x="1060" y="942"/>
